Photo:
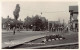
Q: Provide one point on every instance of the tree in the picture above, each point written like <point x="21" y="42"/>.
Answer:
<point x="28" y="22"/>
<point x="16" y="11"/>
<point x="36" y="22"/>
<point x="40" y="22"/>
<point x="44" y="23"/>
<point x="16" y="15"/>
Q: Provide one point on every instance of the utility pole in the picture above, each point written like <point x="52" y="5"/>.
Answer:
<point x="63" y="21"/>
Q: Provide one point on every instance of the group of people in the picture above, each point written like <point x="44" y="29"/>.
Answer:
<point x="59" y="29"/>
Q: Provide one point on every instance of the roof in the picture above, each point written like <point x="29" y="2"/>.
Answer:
<point x="74" y="8"/>
<point x="4" y="20"/>
<point x="8" y="20"/>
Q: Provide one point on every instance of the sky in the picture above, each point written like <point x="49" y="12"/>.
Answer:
<point x="52" y="11"/>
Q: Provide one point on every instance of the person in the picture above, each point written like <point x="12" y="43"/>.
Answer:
<point x="14" y="31"/>
<point x="67" y="28"/>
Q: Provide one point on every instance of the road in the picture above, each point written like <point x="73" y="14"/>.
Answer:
<point x="8" y="36"/>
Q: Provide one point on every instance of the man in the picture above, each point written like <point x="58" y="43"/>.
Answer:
<point x="13" y="30"/>
<point x="67" y="28"/>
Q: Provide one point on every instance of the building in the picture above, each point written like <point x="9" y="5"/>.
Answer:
<point x="73" y="18"/>
<point x="4" y="22"/>
<point x="8" y="23"/>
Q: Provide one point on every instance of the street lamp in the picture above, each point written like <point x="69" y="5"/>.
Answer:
<point x="8" y="24"/>
<point x="31" y="25"/>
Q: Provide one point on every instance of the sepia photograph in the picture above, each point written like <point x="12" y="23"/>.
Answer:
<point x="39" y="25"/>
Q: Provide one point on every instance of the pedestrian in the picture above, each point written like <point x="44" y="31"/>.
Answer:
<point x="14" y="31"/>
<point x="67" y="28"/>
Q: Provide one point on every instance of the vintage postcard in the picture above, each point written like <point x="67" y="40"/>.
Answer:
<point x="39" y="25"/>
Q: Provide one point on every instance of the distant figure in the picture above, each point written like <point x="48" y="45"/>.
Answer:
<point x="67" y="28"/>
<point x="14" y="31"/>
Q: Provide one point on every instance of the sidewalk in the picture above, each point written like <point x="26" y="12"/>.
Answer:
<point x="56" y="45"/>
<point x="17" y="42"/>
